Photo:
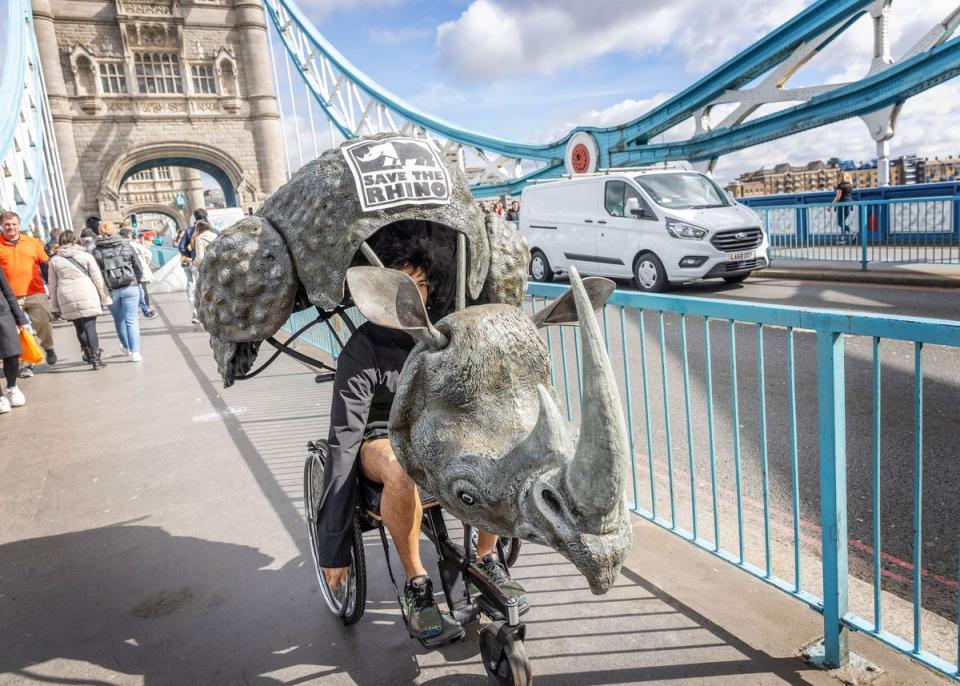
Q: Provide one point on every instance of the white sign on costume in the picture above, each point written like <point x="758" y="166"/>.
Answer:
<point x="398" y="171"/>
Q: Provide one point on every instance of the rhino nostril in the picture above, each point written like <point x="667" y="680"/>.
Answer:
<point x="550" y="498"/>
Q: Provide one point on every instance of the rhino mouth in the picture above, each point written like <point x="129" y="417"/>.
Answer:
<point x="597" y="554"/>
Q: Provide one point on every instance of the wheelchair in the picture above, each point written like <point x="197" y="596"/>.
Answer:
<point x="501" y="641"/>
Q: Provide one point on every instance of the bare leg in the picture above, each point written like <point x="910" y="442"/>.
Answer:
<point x="486" y="544"/>
<point x="400" y="504"/>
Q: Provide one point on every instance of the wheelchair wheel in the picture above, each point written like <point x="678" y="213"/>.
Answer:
<point x="504" y="657"/>
<point x="347" y="601"/>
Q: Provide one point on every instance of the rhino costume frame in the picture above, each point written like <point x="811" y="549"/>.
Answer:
<point x="475" y="420"/>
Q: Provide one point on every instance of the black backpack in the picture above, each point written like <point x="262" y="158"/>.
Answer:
<point x="117" y="269"/>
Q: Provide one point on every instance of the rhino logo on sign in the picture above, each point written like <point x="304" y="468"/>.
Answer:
<point x="394" y="155"/>
<point x="397" y="171"/>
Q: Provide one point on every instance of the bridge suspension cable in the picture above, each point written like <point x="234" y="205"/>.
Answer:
<point x="355" y="105"/>
<point x="31" y="182"/>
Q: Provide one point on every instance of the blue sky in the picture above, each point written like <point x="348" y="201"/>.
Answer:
<point x="531" y="69"/>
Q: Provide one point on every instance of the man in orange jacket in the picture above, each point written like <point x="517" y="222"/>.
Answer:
<point x="20" y="259"/>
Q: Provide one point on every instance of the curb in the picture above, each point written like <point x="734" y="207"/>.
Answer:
<point x="849" y="276"/>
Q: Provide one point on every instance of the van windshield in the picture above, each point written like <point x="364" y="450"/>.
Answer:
<point x="684" y="191"/>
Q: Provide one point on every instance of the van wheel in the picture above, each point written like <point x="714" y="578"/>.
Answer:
<point x="649" y="274"/>
<point x="540" y="268"/>
<point x="737" y="278"/>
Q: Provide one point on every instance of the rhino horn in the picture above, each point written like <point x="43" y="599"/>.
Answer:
<point x="548" y="444"/>
<point x="594" y="479"/>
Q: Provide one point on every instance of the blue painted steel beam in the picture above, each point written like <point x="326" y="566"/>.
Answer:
<point x="14" y="67"/>
<point x="890" y="87"/>
<point x="754" y="61"/>
<point x="549" y="152"/>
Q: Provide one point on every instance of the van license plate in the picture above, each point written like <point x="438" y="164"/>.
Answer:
<point x="742" y="256"/>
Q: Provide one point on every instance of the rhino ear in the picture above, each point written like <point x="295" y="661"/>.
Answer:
<point x="563" y="310"/>
<point x="390" y="298"/>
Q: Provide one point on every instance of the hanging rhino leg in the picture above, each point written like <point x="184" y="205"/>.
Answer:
<point x="245" y="292"/>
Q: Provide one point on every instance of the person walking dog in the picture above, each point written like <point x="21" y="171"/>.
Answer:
<point x="121" y="272"/>
<point x="79" y="294"/>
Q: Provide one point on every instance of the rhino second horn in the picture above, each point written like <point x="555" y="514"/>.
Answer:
<point x="549" y="441"/>
<point x="594" y="479"/>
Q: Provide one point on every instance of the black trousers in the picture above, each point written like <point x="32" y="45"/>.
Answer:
<point x="87" y="333"/>
<point x="11" y="367"/>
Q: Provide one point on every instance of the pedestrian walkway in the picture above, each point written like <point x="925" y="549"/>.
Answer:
<point x="151" y="533"/>
<point x="929" y="275"/>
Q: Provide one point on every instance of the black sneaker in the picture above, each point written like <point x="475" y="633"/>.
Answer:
<point x="150" y="315"/>
<point x="51" y="357"/>
<point x="423" y="615"/>
<point x="497" y="572"/>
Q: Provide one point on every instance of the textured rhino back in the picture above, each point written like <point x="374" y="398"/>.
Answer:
<point x="319" y="215"/>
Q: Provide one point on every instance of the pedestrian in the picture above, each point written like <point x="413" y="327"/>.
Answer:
<point x="93" y="224"/>
<point x="88" y="239"/>
<point x="12" y="319"/>
<point x="203" y="236"/>
<point x="185" y="248"/>
<point x="844" y="193"/>
<point x="50" y="247"/>
<point x="121" y="272"/>
<point x="143" y="252"/>
<point x="20" y="257"/>
<point x="498" y="208"/>
<point x="78" y="294"/>
<point x="513" y="214"/>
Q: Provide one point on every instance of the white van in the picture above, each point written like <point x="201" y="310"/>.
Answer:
<point x="654" y="225"/>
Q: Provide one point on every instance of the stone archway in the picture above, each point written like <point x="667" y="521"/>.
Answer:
<point x="213" y="161"/>
<point x="179" y="218"/>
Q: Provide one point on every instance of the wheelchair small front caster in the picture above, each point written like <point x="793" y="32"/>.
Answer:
<point x="504" y="655"/>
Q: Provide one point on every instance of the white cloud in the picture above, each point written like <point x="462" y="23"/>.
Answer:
<point x="408" y="34"/>
<point x="494" y="39"/>
<point x="926" y="125"/>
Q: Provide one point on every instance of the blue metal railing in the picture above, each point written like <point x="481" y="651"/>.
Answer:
<point x="915" y="224"/>
<point x="763" y="428"/>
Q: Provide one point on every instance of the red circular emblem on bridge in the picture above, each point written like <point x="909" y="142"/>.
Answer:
<point x="580" y="158"/>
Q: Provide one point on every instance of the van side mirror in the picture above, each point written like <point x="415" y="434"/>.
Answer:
<point x="633" y="208"/>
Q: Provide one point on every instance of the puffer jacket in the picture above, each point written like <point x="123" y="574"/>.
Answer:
<point x="74" y="294"/>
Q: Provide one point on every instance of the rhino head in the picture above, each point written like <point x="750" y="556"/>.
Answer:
<point x="476" y="422"/>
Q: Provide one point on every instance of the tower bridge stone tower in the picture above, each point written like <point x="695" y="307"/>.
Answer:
<point x="140" y="84"/>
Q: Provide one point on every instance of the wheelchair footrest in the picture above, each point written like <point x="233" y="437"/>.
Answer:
<point x="451" y="633"/>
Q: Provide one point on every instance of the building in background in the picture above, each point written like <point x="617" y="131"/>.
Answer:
<point x="138" y="85"/>
<point x="824" y="176"/>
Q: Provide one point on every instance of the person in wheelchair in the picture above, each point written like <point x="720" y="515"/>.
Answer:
<point x="368" y="372"/>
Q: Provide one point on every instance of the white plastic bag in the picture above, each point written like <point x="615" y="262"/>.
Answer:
<point x="170" y="278"/>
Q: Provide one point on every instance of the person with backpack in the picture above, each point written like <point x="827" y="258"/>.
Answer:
<point x="78" y="294"/>
<point x="122" y="273"/>
<point x="187" y="254"/>
<point x="143" y="252"/>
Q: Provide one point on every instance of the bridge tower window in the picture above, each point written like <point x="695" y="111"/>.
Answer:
<point x="113" y="78"/>
<point x="158" y="72"/>
<point x="204" y="79"/>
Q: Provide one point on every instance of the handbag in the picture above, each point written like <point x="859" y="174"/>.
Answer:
<point x="31" y="352"/>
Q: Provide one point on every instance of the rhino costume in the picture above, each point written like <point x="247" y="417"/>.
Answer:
<point x="475" y="420"/>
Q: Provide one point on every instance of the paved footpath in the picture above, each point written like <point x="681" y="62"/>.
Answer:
<point x="151" y="533"/>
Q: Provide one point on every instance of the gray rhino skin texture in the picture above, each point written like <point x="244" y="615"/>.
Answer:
<point x="468" y="420"/>
<point x="475" y="417"/>
<point x="319" y="215"/>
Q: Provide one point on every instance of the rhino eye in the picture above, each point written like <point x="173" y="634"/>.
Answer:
<point x="466" y="498"/>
